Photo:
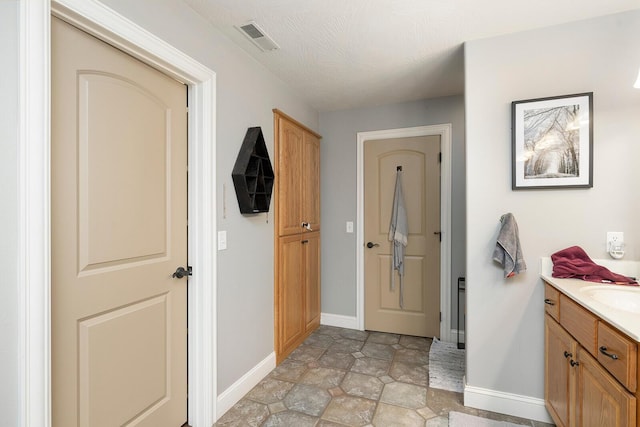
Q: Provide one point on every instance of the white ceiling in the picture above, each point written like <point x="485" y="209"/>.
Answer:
<point x="356" y="53"/>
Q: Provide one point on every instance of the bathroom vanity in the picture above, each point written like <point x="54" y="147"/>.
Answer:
<point x="592" y="333"/>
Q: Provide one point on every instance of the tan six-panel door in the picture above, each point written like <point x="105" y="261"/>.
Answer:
<point x="419" y="158"/>
<point x="119" y="212"/>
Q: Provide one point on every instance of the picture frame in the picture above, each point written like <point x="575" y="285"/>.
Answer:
<point x="552" y="142"/>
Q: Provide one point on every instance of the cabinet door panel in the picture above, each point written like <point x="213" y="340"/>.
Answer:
<point x="289" y="180"/>
<point x="290" y="290"/>
<point x="558" y="375"/>
<point x="311" y="181"/>
<point x="312" y="279"/>
<point x="600" y="399"/>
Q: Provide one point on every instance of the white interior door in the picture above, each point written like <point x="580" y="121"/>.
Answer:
<point x="119" y="230"/>
<point x="419" y="158"/>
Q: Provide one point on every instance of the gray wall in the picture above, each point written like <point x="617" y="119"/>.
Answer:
<point x="246" y="94"/>
<point x="9" y="86"/>
<point x="338" y="182"/>
<point x="505" y="334"/>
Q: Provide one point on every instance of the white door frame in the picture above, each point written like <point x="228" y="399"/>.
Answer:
<point x="34" y="275"/>
<point x="444" y="131"/>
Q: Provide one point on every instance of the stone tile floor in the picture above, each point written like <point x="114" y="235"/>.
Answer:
<point x="343" y="377"/>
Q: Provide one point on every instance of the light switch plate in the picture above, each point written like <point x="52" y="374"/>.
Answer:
<point x="349" y="226"/>
<point x="222" y="240"/>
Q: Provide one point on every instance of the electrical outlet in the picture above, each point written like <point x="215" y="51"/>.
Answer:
<point x="615" y="239"/>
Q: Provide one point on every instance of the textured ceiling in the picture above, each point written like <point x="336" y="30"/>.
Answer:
<point x="356" y="53"/>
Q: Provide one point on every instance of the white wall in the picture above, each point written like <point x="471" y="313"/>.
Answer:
<point x="338" y="188"/>
<point x="9" y="342"/>
<point x="505" y="317"/>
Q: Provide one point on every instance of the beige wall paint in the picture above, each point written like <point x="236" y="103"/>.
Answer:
<point x="505" y="317"/>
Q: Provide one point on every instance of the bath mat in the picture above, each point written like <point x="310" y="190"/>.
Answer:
<point x="446" y="366"/>
<point x="458" y="419"/>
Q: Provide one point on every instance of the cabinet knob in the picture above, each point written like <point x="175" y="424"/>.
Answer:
<point x="574" y="363"/>
<point x="549" y="302"/>
<point x="306" y="225"/>
<point x="604" y="351"/>
<point x="567" y="355"/>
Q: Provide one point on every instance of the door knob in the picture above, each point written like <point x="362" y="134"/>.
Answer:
<point x="371" y="244"/>
<point x="181" y="272"/>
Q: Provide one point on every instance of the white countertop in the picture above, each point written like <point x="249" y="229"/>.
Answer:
<point x="578" y="290"/>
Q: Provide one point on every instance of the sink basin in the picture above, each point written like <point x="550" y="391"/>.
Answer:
<point x="627" y="299"/>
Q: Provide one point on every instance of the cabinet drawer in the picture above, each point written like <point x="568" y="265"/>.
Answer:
<point x="579" y="322"/>
<point x="619" y="355"/>
<point x="552" y="301"/>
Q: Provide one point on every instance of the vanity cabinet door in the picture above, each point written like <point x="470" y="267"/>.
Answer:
<point x="600" y="399"/>
<point x="560" y="350"/>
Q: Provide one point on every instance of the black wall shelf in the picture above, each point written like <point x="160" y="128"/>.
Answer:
<point x="252" y="174"/>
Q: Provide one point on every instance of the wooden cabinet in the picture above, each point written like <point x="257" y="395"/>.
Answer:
<point x="581" y="390"/>
<point x="297" y="225"/>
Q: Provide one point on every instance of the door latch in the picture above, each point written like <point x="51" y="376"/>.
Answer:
<point x="181" y="272"/>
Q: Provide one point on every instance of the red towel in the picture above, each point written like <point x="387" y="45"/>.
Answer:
<point x="574" y="263"/>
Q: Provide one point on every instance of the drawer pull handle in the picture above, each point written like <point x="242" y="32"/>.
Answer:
<point x="567" y="355"/>
<point x="604" y="351"/>
<point x="574" y="363"/>
<point x="549" y="302"/>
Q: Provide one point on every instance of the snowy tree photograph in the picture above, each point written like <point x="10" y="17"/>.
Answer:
<point x="552" y="142"/>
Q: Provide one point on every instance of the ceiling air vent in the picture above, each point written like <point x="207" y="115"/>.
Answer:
<point x="258" y="37"/>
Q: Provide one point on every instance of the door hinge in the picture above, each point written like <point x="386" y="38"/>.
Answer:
<point x="440" y="157"/>
<point x="440" y="317"/>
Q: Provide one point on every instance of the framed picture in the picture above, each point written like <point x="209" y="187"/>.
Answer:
<point x="552" y="142"/>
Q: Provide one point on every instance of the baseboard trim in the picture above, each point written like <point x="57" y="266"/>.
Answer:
<point x="237" y="390"/>
<point x="339" y="320"/>
<point x="506" y="403"/>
